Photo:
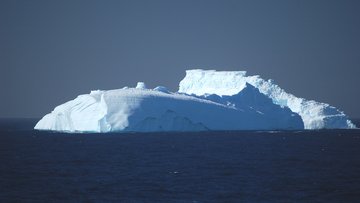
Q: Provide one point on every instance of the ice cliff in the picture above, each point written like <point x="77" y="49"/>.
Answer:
<point x="206" y="100"/>
<point x="315" y="115"/>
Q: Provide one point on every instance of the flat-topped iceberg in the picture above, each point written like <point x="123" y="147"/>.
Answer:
<point x="315" y="115"/>
<point x="207" y="100"/>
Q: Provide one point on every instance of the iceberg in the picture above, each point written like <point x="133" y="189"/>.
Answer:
<point x="206" y="100"/>
<point x="315" y="115"/>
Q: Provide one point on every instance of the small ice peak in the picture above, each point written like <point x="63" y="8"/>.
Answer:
<point x="162" y="89"/>
<point x="140" y="85"/>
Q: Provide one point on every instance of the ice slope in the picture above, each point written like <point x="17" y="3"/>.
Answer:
<point x="315" y="115"/>
<point x="144" y="110"/>
<point x="249" y="98"/>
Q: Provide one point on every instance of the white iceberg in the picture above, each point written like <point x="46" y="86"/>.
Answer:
<point x="207" y="100"/>
<point x="315" y="115"/>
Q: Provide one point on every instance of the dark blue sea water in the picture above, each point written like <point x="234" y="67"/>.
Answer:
<point x="293" y="166"/>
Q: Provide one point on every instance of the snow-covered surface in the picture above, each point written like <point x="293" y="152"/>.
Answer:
<point x="145" y="110"/>
<point x="315" y="115"/>
<point x="207" y="100"/>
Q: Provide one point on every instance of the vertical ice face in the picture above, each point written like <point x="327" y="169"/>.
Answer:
<point x="315" y="115"/>
<point x="201" y="82"/>
<point x="86" y="113"/>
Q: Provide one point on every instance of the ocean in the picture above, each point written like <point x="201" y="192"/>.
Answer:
<point x="235" y="166"/>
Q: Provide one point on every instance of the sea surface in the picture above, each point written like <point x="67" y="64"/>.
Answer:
<point x="241" y="166"/>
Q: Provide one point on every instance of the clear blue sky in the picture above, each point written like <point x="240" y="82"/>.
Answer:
<point x="52" y="51"/>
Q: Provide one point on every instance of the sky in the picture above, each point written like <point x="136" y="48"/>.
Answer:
<point x="51" y="51"/>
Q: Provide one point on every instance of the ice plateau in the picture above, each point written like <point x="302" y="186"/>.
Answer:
<point x="315" y="115"/>
<point x="206" y="100"/>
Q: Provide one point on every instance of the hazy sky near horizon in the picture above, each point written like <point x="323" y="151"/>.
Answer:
<point x="51" y="50"/>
